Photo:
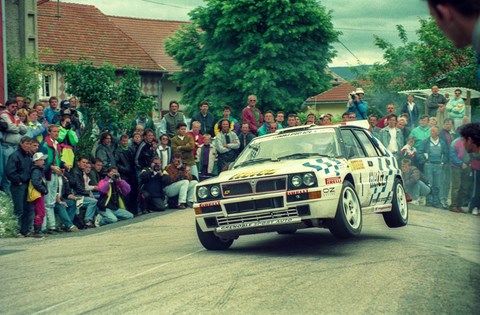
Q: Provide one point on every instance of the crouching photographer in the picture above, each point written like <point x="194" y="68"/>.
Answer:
<point x="153" y="180"/>
<point x="111" y="204"/>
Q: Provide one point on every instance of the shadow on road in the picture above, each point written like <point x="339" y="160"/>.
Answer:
<point x="303" y="244"/>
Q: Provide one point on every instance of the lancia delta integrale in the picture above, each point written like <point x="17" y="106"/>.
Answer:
<point x="302" y="177"/>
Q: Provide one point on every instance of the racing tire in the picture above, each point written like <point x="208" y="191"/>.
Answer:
<point x="212" y="242"/>
<point x="348" y="219"/>
<point x="398" y="216"/>
<point x="287" y="232"/>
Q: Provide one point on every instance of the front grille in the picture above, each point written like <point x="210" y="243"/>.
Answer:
<point x="254" y="205"/>
<point x="268" y="185"/>
<point x="236" y="189"/>
<point x="221" y="220"/>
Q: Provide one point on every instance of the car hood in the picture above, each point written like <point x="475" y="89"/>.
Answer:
<point x="329" y="166"/>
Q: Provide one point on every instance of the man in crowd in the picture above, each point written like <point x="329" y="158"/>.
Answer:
<point x="456" y="108"/>
<point x="146" y="151"/>
<point x="372" y="122"/>
<point x="357" y="105"/>
<point x="152" y="182"/>
<point x="17" y="171"/>
<point x="280" y="119"/>
<point x="170" y="121"/>
<point x="10" y="139"/>
<point x="441" y="114"/>
<point x="411" y="108"/>
<point x="82" y="186"/>
<point x="269" y="119"/>
<point x="460" y="21"/>
<point x="470" y="134"/>
<point x="206" y="156"/>
<point x="68" y="139"/>
<point x="460" y="171"/>
<point x="392" y="137"/>
<point x="291" y="120"/>
<point x="105" y="150"/>
<point x="234" y="125"/>
<point x="252" y="115"/>
<point x="125" y="161"/>
<point x="52" y="113"/>
<point x="415" y="184"/>
<point x="383" y="122"/>
<point x="434" y="100"/>
<point x="205" y="118"/>
<point x="245" y="136"/>
<point x="402" y="125"/>
<point x="143" y="120"/>
<point x="183" y="144"/>
<point x="421" y="132"/>
<point x="311" y="119"/>
<point x="226" y="144"/>
<point x="113" y="190"/>
<point x="433" y="154"/>
<point x="164" y="150"/>
<point x="182" y="182"/>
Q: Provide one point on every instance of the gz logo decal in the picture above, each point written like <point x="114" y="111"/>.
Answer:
<point x="328" y="191"/>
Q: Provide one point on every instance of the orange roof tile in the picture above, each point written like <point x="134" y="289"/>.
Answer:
<point x="338" y="93"/>
<point x="84" y="32"/>
<point x="150" y="35"/>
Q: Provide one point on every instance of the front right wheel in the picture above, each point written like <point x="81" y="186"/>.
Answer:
<point x="398" y="216"/>
<point x="210" y="241"/>
<point x="348" y="219"/>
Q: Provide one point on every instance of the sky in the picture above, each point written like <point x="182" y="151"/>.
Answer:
<point x="358" y="20"/>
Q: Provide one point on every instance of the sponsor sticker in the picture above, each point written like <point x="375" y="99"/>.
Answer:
<point x="246" y="225"/>
<point x="297" y="192"/>
<point x="253" y="174"/>
<point x="328" y="192"/>
<point x="333" y="180"/>
<point x="356" y="165"/>
<point x="210" y="203"/>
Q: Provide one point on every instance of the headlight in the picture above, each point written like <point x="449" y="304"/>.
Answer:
<point x="215" y="191"/>
<point x="202" y="192"/>
<point x="296" y="181"/>
<point x="308" y="179"/>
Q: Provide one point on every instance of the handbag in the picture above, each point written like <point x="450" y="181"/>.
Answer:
<point x="32" y="193"/>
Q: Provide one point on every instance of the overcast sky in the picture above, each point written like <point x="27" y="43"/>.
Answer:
<point x="358" y="20"/>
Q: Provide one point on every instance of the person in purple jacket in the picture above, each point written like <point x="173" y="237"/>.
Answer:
<point x="111" y="203"/>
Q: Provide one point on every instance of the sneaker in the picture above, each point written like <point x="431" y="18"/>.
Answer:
<point x="415" y="202"/>
<point x="465" y="209"/>
<point x="181" y="206"/>
<point x="37" y="235"/>
<point x="89" y="224"/>
<point x="190" y="204"/>
<point x="73" y="228"/>
<point x="52" y="231"/>
<point x="475" y="211"/>
<point x="98" y="218"/>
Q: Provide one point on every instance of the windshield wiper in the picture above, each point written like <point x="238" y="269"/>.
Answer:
<point x="254" y="161"/>
<point x="302" y="155"/>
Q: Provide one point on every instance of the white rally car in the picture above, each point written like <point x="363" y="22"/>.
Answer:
<point x="302" y="177"/>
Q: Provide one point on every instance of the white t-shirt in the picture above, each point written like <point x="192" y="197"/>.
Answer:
<point x="392" y="145"/>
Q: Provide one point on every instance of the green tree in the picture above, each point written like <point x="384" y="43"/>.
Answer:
<point x="107" y="101"/>
<point x="276" y="49"/>
<point x="432" y="60"/>
<point x="22" y="76"/>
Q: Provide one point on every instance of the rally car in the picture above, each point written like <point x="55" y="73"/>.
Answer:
<point x="302" y="177"/>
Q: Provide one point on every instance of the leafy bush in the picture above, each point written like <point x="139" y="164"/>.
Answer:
<point x="8" y="221"/>
<point x="23" y="76"/>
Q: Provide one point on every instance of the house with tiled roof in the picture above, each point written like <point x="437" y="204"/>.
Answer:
<point x="333" y="101"/>
<point x="70" y="31"/>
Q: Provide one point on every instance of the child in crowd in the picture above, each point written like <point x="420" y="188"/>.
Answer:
<point x="39" y="183"/>
<point x="408" y="150"/>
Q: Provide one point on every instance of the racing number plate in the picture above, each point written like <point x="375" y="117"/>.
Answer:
<point x="246" y="225"/>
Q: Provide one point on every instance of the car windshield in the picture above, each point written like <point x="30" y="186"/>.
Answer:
<point x="293" y="145"/>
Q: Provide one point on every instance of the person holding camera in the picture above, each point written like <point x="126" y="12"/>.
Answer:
<point x="111" y="204"/>
<point x="67" y="139"/>
<point x="152" y="182"/>
<point x="183" y="183"/>
<point x="357" y="105"/>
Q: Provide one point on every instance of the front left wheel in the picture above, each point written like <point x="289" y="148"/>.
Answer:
<point x="212" y="242"/>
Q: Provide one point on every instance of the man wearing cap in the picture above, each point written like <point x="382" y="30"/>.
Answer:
<point x="17" y="171"/>
<point x="357" y="105"/>
<point x="11" y="136"/>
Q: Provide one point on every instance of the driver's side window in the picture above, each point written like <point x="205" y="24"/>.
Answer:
<point x="352" y="146"/>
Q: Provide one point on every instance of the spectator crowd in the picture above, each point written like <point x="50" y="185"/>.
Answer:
<point x="153" y="168"/>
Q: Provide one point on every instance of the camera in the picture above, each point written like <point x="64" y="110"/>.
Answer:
<point x="116" y="176"/>
<point x="352" y="95"/>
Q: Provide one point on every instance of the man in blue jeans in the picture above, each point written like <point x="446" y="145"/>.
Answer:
<point x="433" y="153"/>
<point x="111" y="203"/>
<point x="470" y="134"/>
<point x="80" y="186"/>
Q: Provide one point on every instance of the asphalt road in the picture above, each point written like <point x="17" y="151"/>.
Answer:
<point x="154" y="264"/>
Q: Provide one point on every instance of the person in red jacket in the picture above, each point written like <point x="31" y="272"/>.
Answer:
<point x="251" y="115"/>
